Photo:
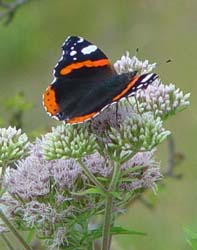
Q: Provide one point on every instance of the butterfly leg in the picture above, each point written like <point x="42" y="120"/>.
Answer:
<point x="116" y="112"/>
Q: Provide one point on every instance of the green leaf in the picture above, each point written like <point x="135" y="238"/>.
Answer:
<point x="103" y="179"/>
<point x="190" y="233"/>
<point x="88" y="191"/>
<point x="120" y="230"/>
<point x="97" y="233"/>
<point x="126" y="179"/>
<point x="17" y="102"/>
<point x="194" y="244"/>
<point x="116" y="195"/>
<point x="133" y="169"/>
<point x="191" y="238"/>
<point x="30" y="236"/>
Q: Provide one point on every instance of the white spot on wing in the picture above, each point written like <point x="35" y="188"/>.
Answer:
<point x="80" y="40"/>
<point x="89" y="49"/>
<point x="139" y="86"/>
<point x="147" y="77"/>
<point x="66" y="41"/>
<point x="72" y="53"/>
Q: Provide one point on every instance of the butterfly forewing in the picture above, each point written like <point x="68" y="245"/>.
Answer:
<point x="82" y="59"/>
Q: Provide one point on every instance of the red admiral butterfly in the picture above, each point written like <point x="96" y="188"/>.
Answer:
<point x="85" y="83"/>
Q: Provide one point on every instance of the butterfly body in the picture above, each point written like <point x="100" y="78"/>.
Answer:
<point x="85" y="83"/>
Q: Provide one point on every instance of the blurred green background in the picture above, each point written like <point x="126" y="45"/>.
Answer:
<point x="30" y="47"/>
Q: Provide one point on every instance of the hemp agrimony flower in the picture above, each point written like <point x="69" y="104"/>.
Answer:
<point x="138" y="133"/>
<point x="139" y="180"/>
<point x="127" y="64"/>
<point x="78" y="175"/>
<point x="162" y="100"/>
<point x="13" y="145"/>
<point x="29" y="179"/>
<point x="68" y="142"/>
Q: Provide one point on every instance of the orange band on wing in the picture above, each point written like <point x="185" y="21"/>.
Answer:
<point x="49" y="101"/>
<point x="82" y="118"/>
<point x="129" y="86"/>
<point x="87" y="63"/>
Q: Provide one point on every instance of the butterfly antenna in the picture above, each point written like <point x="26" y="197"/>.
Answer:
<point x="169" y="60"/>
<point x="136" y="51"/>
<point x="162" y="62"/>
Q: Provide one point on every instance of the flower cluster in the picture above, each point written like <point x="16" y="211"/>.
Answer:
<point x="60" y="186"/>
<point x="13" y="145"/>
<point x="68" y="142"/>
<point x="138" y="133"/>
<point x="162" y="100"/>
<point x="29" y="179"/>
<point x="127" y="64"/>
<point x="143" y="171"/>
<point x="49" y="200"/>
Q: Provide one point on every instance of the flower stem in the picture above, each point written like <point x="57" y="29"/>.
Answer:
<point x="107" y="223"/>
<point x="7" y="242"/>
<point x="92" y="177"/>
<point x="128" y="157"/>
<point x="14" y="231"/>
<point x="3" y="168"/>
<point x="108" y="208"/>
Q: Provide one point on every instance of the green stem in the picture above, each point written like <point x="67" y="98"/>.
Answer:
<point x="108" y="208"/>
<point x="14" y="231"/>
<point x="107" y="223"/>
<point x="92" y="177"/>
<point x="7" y="242"/>
<point x="108" y="203"/>
<point x="128" y="157"/>
<point x="3" y="168"/>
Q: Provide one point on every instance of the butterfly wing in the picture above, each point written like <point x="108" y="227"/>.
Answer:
<point x="79" y="70"/>
<point x="82" y="59"/>
<point x="109" y="91"/>
<point x="85" y="82"/>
